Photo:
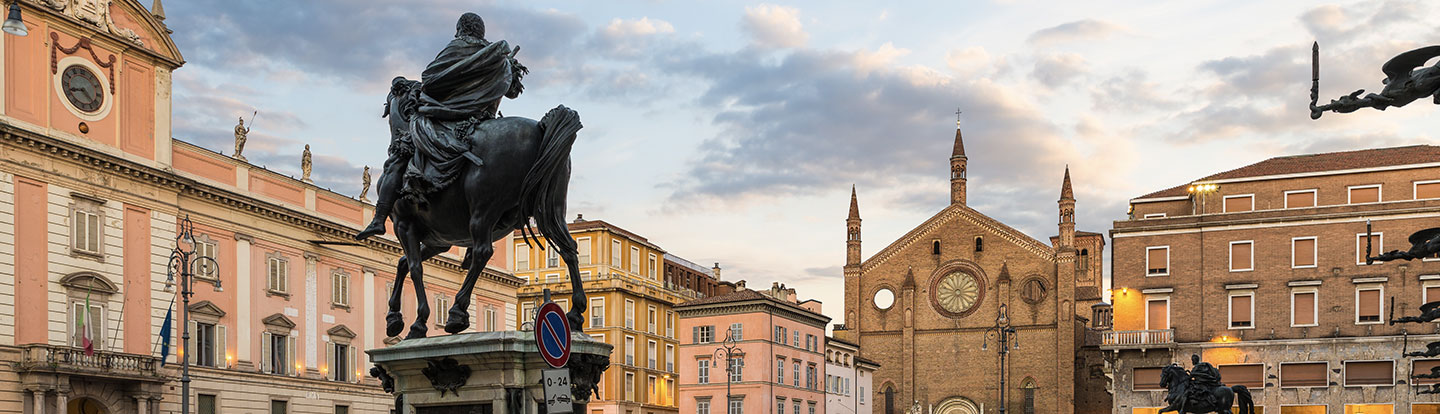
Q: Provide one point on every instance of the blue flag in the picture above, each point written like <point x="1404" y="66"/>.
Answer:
<point x="165" y="332"/>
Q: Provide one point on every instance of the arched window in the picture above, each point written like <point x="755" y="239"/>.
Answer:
<point x="935" y="247"/>
<point x="979" y="244"/>
<point x="889" y="399"/>
<point x="1029" y="387"/>
<point x="1084" y="260"/>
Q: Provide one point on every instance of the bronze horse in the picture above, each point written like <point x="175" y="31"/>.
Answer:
<point x="525" y="174"/>
<point x="1173" y="377"/>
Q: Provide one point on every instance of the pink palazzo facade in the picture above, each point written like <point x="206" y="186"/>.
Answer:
<point x="779" y="346"/>
<point x="90" y="200"/>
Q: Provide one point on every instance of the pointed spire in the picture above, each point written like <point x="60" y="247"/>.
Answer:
<point x="1004" y="272"/>
<point x="854" y="204"/>
<point x="959" y="150"/>
<point x="909" y="278"/>
<point x="158" y="10"/>
<point x="1065" y="192"/>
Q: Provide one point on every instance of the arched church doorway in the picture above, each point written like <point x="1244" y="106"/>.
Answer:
<point x="85" y="406"/>
<point x="957" y="405"/>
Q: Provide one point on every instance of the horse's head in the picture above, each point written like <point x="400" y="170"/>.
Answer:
<point x="402" y="103"/>
<point x="1171" y="375"/>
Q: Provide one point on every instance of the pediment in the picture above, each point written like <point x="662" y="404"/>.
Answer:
<point x="279" y="321"/>
<point x="207" y="308"/>
<point x="955" y="212"/>
<point x="90" y="282"/>
<point x="340" y="331"/>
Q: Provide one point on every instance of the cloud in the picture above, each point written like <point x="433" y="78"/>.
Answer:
<point x="772" y="26"/>
<point x="1055" y="71"/>
<point x="630" y="37"/>
<point x="1079" y="30"/>
<point x="968" y="61"/>
<point x="348" y="41"/>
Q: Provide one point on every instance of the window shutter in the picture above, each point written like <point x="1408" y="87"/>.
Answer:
<point x="94" y="230"/>
<point x="1240" y="311"/>
<point x="695" y="333"/>
<point x="1304" y="252"/>
<point x="1157" y="260"/>
<point x="1365" y="195"/>
<point x="1370" y="373"/>
<point x="290" y="356"/>
<point x="190" y="344"/>
<point x="1427" y="190"/>
<point x="354" y="364"/>
<point x="220" y="360"/>
<point x="1369" y="304"/>
<point x="266" y="349"/>
<point x="1159" y="314"/>
<point x="1310" y="374"/>
<point x="330" y="361"/>
<point x="1304" y="308"/>
<point x="1432" y="293"/>
<point x="1240" y="256"/>
<point x="1252" y="376"/>
<point x="1146" y="379"/>
<point x="1425" y="367"/>
<point x="1300" y="200"/>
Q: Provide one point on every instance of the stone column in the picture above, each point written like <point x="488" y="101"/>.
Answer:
<point x="312" y="324"/>
<point x="369" y="339"/>
<point x="62" y="401"/>
<point x="142" y="404"/>
<point x="39" y="400"/>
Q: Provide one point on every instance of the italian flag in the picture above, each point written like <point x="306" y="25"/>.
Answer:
<point x="85" y="339"/>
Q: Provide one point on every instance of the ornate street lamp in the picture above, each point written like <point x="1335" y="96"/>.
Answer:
<point x="182" y="262"/>
<point x="1006" y="337"/>
<point x="728" y="349"/>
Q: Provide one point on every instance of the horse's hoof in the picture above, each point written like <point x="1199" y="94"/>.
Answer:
<point x="458" y="321"/>
<point x="456" y="326"/>
<point x="394" y="324"/>
<point x="416" y="332"/>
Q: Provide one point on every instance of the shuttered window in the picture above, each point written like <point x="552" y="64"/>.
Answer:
<point x="1367" y="306"/>
<point x="1300" y="199"/>
<point x="1302" y="252"/>
<point x="582" y="247"/>
<point x="1303" y="305"/>
<point x="1427" y="190"/>
<point x="1432" y="293"/>
<point x="1241" y="311"/>
<point x="1239" y="203"/>
<point x="1249" y="375"/>
<point x="340" y="288"/>
<point x="1366" y="194"/>
<point x="1241" y="256"/>
<point x="85" y="231"/>
<point x="1157" y="261"/>
<point x="1376" y="243"/>
<point x="522" y="256"/>
<point x="1303" y="374"/>
<point x="1425" y="367"/>
<point x="1157" y="314"/>
<point x="1147" y="379"/>
<point x="1370" y="373"/>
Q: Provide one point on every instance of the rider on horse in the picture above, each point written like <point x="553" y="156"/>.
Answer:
<point x="1203" y="378"/>
<point x="460" y="89"/>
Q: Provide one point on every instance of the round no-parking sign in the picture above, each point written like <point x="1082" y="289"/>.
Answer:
<point x="552" y="335"/>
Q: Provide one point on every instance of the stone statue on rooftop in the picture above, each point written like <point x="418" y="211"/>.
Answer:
<point x="305" y="165"/>
<point x="241" y="132"/>
<point x="365" y="184"/>
<point x="1406" y="80"/>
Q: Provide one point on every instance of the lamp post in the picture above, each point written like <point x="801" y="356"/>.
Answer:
<point x="1005" y="336"/>
<point x="182" y="262"/>
<point x="728" y="349"/>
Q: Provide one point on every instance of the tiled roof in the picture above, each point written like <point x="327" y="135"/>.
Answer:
<point x="745" y="295"/>
<point x="1330" y="161"/>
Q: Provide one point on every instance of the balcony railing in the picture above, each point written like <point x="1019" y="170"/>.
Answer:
<point x="1151" y="338"/>
<point x="65" y="359"/>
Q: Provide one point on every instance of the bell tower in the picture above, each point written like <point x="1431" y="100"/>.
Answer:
<point x="957" y="166"/>
<point x="1067" y="212"/>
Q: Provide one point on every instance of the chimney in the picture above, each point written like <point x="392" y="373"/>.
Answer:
<point x="790" y="296"/>
<point x="579" y="218"/>
<point x="716" y="270"/>
<point x="739" y="285"/>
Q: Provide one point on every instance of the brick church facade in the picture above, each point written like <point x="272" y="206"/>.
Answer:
<point x="920" y="308"/>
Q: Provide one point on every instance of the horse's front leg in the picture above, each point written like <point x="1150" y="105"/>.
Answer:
<point x="394" y="320"/>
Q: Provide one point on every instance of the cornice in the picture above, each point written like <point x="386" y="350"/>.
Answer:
<point x="55" y="148"/>
<point x="1026" y="242"/>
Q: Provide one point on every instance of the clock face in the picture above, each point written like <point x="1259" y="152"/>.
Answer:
<point x="957" y="293"/>
<point x="82" y="88"/>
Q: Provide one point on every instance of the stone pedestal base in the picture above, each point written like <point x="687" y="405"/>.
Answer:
<point x="483" y="372"/>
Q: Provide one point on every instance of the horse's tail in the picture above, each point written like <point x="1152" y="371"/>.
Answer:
<point x="542" y="194"/>
<point x="1246" y="403"/>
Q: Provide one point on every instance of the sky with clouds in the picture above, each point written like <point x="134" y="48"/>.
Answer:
<point x="732" y="131"/>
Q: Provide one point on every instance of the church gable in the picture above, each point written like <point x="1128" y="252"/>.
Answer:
<point x="990" y="230"/>
<point x="126" y="21"/>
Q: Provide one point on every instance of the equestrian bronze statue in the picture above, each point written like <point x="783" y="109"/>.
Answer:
<point x="1199" y="390"/>
<point x="461" y="174"/>
<point x="1406" y="80"/>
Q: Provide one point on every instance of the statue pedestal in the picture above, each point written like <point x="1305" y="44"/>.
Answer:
<point x="484" y="372"/>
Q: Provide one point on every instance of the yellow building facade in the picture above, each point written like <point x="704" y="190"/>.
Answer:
<point x="631" y="307"/>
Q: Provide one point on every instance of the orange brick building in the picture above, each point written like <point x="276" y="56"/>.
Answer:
<point x="920" y="308"/>
<point x="1260" y="270"/>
